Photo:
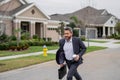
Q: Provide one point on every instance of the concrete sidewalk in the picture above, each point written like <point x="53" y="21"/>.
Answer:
<point x="98" y="65"/>
<point x="110" y="43"/>
<point x="25" y="55"/>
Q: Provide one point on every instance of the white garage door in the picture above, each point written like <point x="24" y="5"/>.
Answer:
<point x="91" y="34"/>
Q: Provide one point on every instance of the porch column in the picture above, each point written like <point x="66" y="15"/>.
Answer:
<point x="104" y="35"/>
<point x="108" y="31"/>
<point x="41" y="30"/>
<point x="96" y="34"/>
<point x="45" y="28"/>
<point x="32" y="28"/>
<point x="113" y="30"/>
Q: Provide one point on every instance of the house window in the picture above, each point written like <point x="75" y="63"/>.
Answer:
<point x="33" y="11"/>
<point x="52" y="28"/>
<point x="111" y="22"/>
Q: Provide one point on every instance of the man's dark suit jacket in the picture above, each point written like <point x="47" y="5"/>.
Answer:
<point x="78" y="48"/>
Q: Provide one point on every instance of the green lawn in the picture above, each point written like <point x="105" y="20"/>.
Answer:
<point x="94" y="48"/>
<point x="30" y="50"/>
<point x="117" y="42"/>
<point x="98" y="41"/>
<point x="6" y="65"/>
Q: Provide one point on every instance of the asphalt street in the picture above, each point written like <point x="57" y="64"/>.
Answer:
<point x="98" y="65"/>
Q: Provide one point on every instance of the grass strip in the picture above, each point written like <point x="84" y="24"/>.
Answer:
<point x="29" y="50"/>
<point x="6" y="65"/>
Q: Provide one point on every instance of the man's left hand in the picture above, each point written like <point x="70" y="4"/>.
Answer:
<point x="77" y="58"/>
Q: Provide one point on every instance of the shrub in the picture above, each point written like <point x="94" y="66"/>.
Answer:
<point x="13" y="38"/>
<point x="49" y="39"/>
<point x="109" y="37"/>
<point x="35" y="37"/>
<point x="12" y="48"/>
<point x="13" y="43"/>
<point x="22" y="45"/>
<point x="41" y="43"/>
<point x="117" y="37"/>
<point x="19" y="48"/>
<point x="83" y="38"/>
<point x="25" y="36"/>
<point x="44" y="39"/>
<point x="56" y="43"/>
<point x="4" y="38"/>
<point x="4" y="46"/>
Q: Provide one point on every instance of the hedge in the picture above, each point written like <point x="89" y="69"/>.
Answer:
<point x="24" y="45"/>
<point x="38" y="43"/>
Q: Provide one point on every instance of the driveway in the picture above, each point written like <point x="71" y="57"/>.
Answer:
<point x="110" y="43"/>
<point x="98" y="65"/>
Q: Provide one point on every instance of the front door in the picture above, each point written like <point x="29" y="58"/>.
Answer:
<point x="38" y="29"/>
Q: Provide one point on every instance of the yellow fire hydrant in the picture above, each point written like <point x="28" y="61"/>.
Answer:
<point x="45" y="50"/>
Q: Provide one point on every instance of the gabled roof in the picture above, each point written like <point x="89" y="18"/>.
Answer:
<point x="88" y="15"/>
<point x="1" y="0"/>
<point x="21" y="9"/>
<point x="6" y="1"/>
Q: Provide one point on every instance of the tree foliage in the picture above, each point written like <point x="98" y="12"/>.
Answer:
<point x="117" y="27"/>
<point x="60" y="29"/>
<point x="76" y="23"/>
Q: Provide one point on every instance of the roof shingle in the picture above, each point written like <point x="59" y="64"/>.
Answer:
<point x="88" y="15"/>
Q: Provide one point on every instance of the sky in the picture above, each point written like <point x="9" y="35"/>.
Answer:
<point x="68" y="6"/>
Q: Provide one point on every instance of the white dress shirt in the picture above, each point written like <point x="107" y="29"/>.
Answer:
<point x="68" y="49"/>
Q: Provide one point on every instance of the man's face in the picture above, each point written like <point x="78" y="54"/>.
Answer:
<point x="67" y="34"/>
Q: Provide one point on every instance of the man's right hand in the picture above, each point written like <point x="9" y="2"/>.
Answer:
<point x="61" y="65"/>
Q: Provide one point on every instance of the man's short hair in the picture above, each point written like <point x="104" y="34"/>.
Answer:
<point x="69" y="29"/>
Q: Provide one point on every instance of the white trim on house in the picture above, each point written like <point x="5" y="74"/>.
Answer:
<point x="22" y="1"/>
<point x="18" y="13"/>
<point x="17" y="20"/>
<point x="5" y="1"/>
<point x="31" y="18"/>
<point x="25" y="9"/>
<point x="55" y="21"/>
<point x="109" y="23"/>
<point x="7" y="17"/>
<point x="52" y="26"/>
<point x="104" y="12"/>
<point x="96" y="24"/>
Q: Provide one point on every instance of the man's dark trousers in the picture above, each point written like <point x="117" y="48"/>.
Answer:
<point x="73" y="70"/>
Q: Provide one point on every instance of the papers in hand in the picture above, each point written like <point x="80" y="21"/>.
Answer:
<point x="74" y="56"/>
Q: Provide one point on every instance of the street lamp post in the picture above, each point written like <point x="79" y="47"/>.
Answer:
<point x="88" y="38"/>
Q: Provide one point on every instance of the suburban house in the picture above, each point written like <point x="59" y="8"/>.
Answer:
<point x="28" y="17"/>
<point x="97" y="23"/>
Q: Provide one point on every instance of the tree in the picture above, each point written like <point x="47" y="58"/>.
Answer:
<point x="117" y="27"/>
<point x="60" y="29"/>
<point x="75" y="31"/>
<point x="75" y="20"/>
<point x="76" y="24"/>
<point x="17" y="31"/>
